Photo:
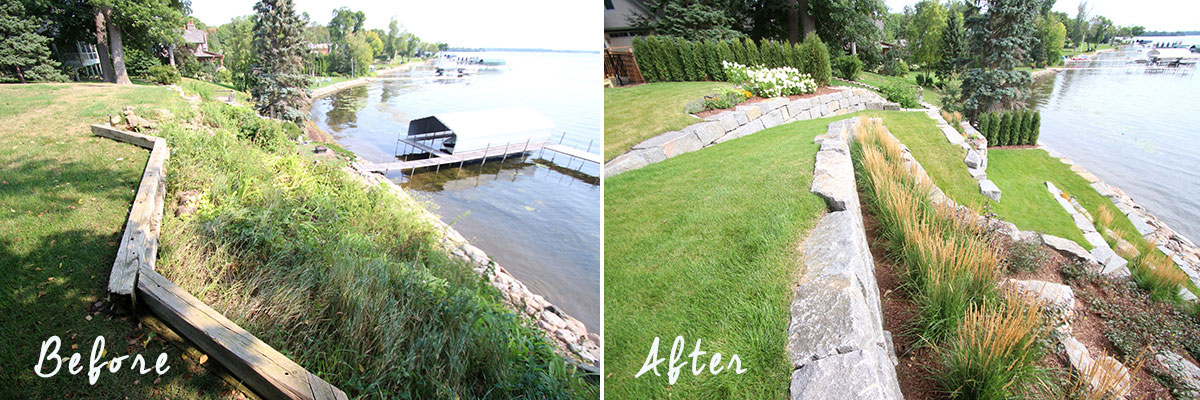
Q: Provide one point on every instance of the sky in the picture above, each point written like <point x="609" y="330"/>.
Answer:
<point x="1155" y="15"/>
<point x="546" y="24"/>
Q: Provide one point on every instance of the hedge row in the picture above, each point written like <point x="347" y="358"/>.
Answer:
<point x="1010" y="128"/>
<point x="669" y="59"/>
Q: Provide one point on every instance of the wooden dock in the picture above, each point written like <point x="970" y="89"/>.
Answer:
<point x="443" y="159"/>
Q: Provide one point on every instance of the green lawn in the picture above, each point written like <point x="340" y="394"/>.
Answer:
<point x="636" y="113"/>
<point x="319" y="82"/>
<point x="64" y="198"/>
<point x="1025" y="200"/>
<point x="209" y="90"/>
<point x="703" y="245"/>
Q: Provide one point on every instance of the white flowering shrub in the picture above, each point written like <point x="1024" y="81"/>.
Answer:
<point x="769" y="82"/>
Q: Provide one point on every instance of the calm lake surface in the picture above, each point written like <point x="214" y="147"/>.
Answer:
<point x="538" y="216"/>
<point x="1134" y="128"/>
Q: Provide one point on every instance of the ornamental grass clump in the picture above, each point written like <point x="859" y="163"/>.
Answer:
<point x="948" y="265"/>
<point x="770" y="82"/>
<point x="994" y="353"/>
<point x="1154" y="272"/>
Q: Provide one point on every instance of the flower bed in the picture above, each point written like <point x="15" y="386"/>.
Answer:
<point x="769" y="82"/>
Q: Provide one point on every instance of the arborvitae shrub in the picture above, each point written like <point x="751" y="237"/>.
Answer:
<point x="1037" y="127"/>
<point x="644" y="60"/>
<point x="725" y="52"/>
<point x="776" y="54"/>
<point x="712" y="61"/>
<point x="738" y="50"/>
<point x="848" y="67"/>
<point x="1028" y="128"/>
<point x="675" y="59"/>
<point x="794" y="57"/>
<point x="752" y="56"/>
<point x="699" y="59"/>
<point x="1006" y="129"/>
<point x="814" y="59"/>
<point x="1018" y="128"/>
<point x="656" y="47"/>
<point x="993" y="128"/>
<point x="687" y="54"/>
<point x="982" y="126"/>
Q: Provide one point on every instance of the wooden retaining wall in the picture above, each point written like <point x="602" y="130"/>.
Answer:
<point x="264" y="370"/>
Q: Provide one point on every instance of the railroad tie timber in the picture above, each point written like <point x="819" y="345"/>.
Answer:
<point x="260" y="367"/>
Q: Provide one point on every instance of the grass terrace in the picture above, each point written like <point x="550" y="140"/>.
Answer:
<point x="703" y="245"/>
<point x="319" y="82"/>
<point x="636" y="113"/>
<point x="64" y="198"/>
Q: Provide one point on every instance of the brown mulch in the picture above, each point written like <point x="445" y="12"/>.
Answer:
<point x="823" y="90"/>
<point x="898" y="309"/>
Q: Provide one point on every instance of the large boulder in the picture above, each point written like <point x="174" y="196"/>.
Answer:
<point x="989" y="189"/>
<point x="1067" y="247"/>
<point x="1186" y="374"/>
<point x="833" y="180"/>
<point x="861" y="374"/>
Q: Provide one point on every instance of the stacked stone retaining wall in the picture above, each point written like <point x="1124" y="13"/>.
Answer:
<point x="744" y="120"/>
<point x="835" y="340"/>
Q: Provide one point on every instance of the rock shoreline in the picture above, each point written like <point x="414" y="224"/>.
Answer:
<point x="570" y="336"/>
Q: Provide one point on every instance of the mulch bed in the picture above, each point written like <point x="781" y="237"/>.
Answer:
<point x="823" y="90"/>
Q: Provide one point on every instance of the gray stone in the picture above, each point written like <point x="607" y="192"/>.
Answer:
<point x="989" y="189"/>
<point x="973" y="159"/>
<point x="776" y="103"/>
<point x="1067" y="247"/>
<point x="977" y="173"/>
<point x="659" y="140"/>
<point x="1186" y="374"/>
<point x="833" y="180"/>
<point x="1095" y="239"/>
<point x="727" y="121"/>
<point x="747" y="129"/>
<point x="1083" y="224"/>
<point x="752" y="111"/>
<point x="1116" y="267"/>
<point x="800" y="115"/>
<point x="838" y="246"/>
<point x="798" y="106"/>
<point x="707" y="132"/>
<point x="740" y="117"/>
<point x="952" y="135"/>
<point x="829" y="316"/>
<point x="1187" y="295"/>
<point x="861" y="374"/>
<point x="1140" y="224"/>
<point x="1057" y="299"/>
<point x="772" y="119"/>
<point x="553" y="319"/>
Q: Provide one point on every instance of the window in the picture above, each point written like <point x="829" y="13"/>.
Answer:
<point x="608" y="5"/>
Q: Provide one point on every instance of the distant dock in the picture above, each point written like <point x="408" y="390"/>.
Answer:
<point x="440" y="159"/>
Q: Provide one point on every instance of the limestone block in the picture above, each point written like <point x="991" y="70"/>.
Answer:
<point x="833" y="180"/>
<point x="1067" y="247"/>
<point x="707" y="132"/>
<point x="973" y="159"/>
<point x="773" y="118"/>
<point x="798" y="106"/>
<point x="1186" y="374"/>
<point x="752" y="111"/>
<point x="989" y="189"/>
<point x="862" y="374"/>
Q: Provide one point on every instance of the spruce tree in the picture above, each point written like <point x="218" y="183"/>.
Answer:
<point x="1000" y="38"/>
<point x="282" y="90"/>
<point x="753" y="57"/>
<point x="23" y="52"/>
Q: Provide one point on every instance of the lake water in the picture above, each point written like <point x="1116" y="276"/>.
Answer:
<point x="1135" y="128"/>
<point x="538" y="216"/>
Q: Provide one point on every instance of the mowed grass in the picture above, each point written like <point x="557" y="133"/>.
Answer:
<point x="704" y="246"/>
<point x="64" y="198"/>
<point x="930" y="95"/>
<point x="321" y="81"/>
<point x="1020" y="174"/>
<point x="636" y="113"/>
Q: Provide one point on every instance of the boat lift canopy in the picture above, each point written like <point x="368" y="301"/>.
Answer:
<point x="477" y="130"/>
<point x="1172" y="54"/>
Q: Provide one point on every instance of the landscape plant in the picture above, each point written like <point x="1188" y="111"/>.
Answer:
<point x="753" y="57"/>
<point x="814" y="59"/>
<point x="770" y="82"/>
<point x="900" y="93"/>
<point x="281" y="91"/>
<point x="994" y="354"/>
<point x="163" y="75"/>
<point x="848" y="67"/>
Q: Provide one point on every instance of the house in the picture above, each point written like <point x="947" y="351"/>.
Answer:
<point x="196" y="40"/>
<point x="319" y="48"/>
<point x="619" y="30"/>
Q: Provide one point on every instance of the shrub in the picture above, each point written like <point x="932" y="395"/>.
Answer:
<point x="1006" y="124"/>
<point x="753" y="57"/>
<point x="163" y="75"/>
<point x="901" y="93"/>
<point x="725" y="53"/>
<point x="848" y="67"/>
<point x="995" y="353"/>
<point x="645" y="60"/>
<point x="674" y="56"/>
<point x="793" y="57"/>
<point x="725" y="97"/>
<point x="1027" y="129"/>
<point x="770" y="82"/>
<point x="687" y="58"/>
<point x="951" y="91"/>
<point x="138" y="62"/>
<point x="739" y="52"/>
<point x="1025" y="256"/>
<point x="712" y="61"/>
<point x="1036" y="127"/>
<point x="1018" y="128"/>
<point x="814" y="59"/>
<point x="893" y="65"/>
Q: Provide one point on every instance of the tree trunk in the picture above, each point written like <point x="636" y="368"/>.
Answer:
<point x="20" y="76"/>
<point x="171" y="54"/>
<point x="793" y="21"/>
<point x="853" y="48"/>
<point x="118" y="52"/>
<point x="106" y="69"/>
<point x="806" y="18"/>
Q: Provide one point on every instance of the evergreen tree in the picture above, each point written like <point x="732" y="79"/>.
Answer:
<point x="814" y="59"/>
<point x="993" y="128"/>
<point x="644" y="60"/>
<point x="981" y="124"/>
<point x="1001" y="38"/>
<point x="675" y="57"/>
<point x="1006" y="129"/>
<point x="658" y="48"/>
<point x="712" y="59"/>
<point x="1028" y="138"/>
<point x="688" y="59"/>
<point x="1018" y="127"/>
<point x="724" y="53"/>
<point x="1037" y="128"/>
<point x="738" y="50"/>
<point x="23" y="52"/>
<point x="954" y="47"/>
<point x="752" y="56"/>
<point x="687" y="19"/>
<point x="279" y="41"/>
